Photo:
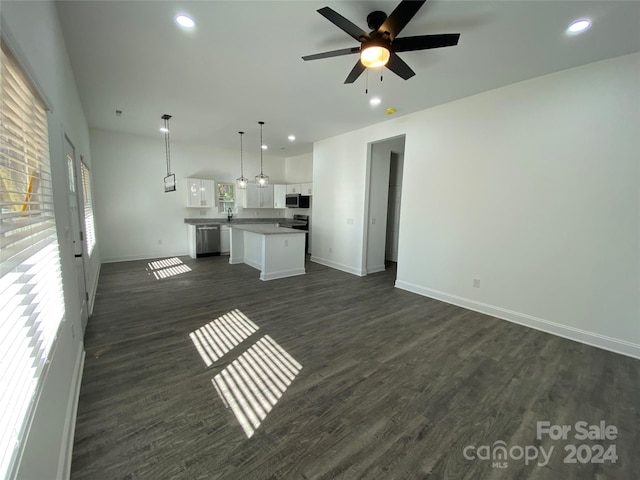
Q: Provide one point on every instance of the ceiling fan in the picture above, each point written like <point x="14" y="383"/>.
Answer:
<point x="380" y="46"/>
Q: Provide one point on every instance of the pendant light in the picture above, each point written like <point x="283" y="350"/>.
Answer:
<point x="262" y="180"/>
<point x="170" y="179"/>
<point x="241" y="181"/>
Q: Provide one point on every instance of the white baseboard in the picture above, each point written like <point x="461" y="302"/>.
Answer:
<point x="583" y="336"/>
<point x="94" y="289"/>
<point x="376" y="269"/>
<point x="338" y="266"/>
<point x="282" y="274"/>
<point x="66" y="450"/>
<point x="251" y="263"/>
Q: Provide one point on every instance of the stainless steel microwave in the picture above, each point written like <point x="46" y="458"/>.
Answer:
<point x="295" y="200"/>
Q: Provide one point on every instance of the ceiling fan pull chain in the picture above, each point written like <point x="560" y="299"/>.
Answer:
<point x="366" y="89"/>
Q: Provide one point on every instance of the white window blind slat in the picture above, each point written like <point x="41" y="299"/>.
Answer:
<point x="31" y="296"/>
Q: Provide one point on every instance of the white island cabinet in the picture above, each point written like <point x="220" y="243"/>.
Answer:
<point x="276" y="251"/>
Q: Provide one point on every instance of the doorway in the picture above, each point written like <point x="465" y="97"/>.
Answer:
<point x="77" y="234"/>
<point x="384" y="187"/>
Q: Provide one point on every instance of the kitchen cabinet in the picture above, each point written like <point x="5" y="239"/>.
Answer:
<point x="256" y="197"/>
<point x="200" y="193"/>
<point x="293" y="188"/>
<point x="225" y="242"/>
<point x="279" y="196"/>
<point x="306" y="189"/>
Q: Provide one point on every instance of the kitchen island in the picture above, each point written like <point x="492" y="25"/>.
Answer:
<point x="277" y="252"/>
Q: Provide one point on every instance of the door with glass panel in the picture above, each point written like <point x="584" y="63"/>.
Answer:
<point x="77" y="234"/>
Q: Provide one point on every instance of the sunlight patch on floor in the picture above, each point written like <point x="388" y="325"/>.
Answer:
<point x="169" y="267"/>
<point x="253" y="383"/>
<point x="218" y="337"/>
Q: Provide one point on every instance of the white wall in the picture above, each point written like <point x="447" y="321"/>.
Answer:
<point x="532" y="188"/>
<point x="135" y="218"/>
<point x="33" y="32"/>
<point x="299" y="169"/>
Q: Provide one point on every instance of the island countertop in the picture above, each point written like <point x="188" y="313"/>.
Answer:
<point x="235" y="221"/>
<point x="264" y="229"/>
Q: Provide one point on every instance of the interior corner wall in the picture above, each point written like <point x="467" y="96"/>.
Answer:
<point x="33" y="33"/>
<point x="532" y="188"/>
<point x="135" y="218"/>
<point x="299" y="169"/>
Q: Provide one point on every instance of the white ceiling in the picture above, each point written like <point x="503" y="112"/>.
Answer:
<point x="242" y="64"/>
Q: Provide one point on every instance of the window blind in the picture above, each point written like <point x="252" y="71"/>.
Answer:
<point x="89" y="226"/>
<point x="31" y="296"/>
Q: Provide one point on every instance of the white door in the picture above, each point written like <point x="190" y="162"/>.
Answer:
<point x="77" y="234"/>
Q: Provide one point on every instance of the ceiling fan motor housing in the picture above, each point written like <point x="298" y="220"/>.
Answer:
<point x="375" y="20"/>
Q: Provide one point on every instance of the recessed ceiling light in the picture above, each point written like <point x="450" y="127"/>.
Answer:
<point x="264" y="147"/>
<point x="291" y="138"/>
<point x="164" y="129"/>
<point x="579" y="26"/>
<point x="375" y="101"/>
<point x="185" y="21"/>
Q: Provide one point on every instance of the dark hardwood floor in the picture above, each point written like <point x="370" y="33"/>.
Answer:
<point x="392" y="386"/>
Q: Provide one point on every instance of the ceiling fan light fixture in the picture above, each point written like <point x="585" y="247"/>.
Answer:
<point x="374" y="56"/>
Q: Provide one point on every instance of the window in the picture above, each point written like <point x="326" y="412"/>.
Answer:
<point x="31" y="297"/>
<point x="89" y="227"/>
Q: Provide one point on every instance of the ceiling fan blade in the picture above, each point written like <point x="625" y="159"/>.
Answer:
<point x="344" y="24"/>
<point x="397" y="66"/>
<point x="358" y="68"/>
<point x="333" y="53"/>
<point x="424" y="42"/>
<point x="400" y="16"/>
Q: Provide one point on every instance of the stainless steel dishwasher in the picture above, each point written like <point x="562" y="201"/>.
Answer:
<point x="207" y="240"/>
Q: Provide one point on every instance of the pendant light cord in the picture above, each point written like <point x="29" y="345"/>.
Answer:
<point x="241" y="162"/>
<point x="261" y="144"/>
<point x="166" y="142"/>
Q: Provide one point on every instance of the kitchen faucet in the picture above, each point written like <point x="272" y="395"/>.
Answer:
<point x="229" y="214"/>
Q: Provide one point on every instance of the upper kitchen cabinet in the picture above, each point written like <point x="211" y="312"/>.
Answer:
<point x="257" y="197"/>
<point x="300" y="188"/>
<point x="279" y="196"/>
<point x="200" y="193"/>
<point x="306" y="189"/>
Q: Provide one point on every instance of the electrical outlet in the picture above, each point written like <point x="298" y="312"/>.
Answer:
<point x="330" y="250"/>
<point x="476" y="283"/>
<point x="286" y="243"/>
<point x="159" y="242"/>
<point x="349" y="221"/>
<point x="373" y="221"/>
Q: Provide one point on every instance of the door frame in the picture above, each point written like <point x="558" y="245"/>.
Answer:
<point x="80" y="266"/>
